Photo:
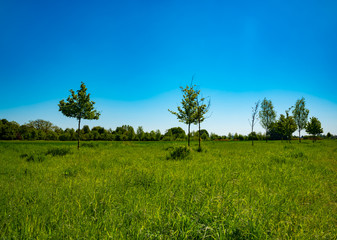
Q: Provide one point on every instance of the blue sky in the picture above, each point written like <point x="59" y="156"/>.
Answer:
<point x="134" y="55"/>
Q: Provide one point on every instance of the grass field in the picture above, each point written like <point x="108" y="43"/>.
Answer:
<point x="130" y="190"/>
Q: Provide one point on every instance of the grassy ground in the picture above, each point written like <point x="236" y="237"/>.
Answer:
<point x="130" y="190"/>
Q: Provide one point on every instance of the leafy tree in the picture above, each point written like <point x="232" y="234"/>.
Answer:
<point x="158" y="135"/>
<point x="99" y="133"/>
<point x="252" y="136"/>
<point x="328" y="135"/>
<point x="130" y="132"/>
<point x="204" y="132"/>
<point x="314" y="127"/>
<point x="140" y="133"/>
<point x="204" y="136"/>
<point x="275" y="130"/>
<point x="187" y="113"/>
<point x="9" y="130"/>
<point x="202" y="109"/>
<point x="80" y="107"/>
<point x="152" y="135"/>
<point x="289" y="125"/>
<point x="40" y="124"/>
<point x="25" y="132"/>
<point x="175" y="133"/>
<point x="300" y="115"/>
<point x="86" y="129"/>
<point x="252" y="123"/>
<point x="267" y="115"/>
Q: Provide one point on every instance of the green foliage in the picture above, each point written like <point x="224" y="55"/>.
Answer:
<point x="140" y="133"/>
<point x="33" y="157"/>
<point x="267" y="114"/>
<point x="8" y="130"/>
<point x="58" y="151"/>
<point x="40" y="124"/>
<point x="288" y="125"/>
<point x="175" y="134"/>
<point x="314" y="127"/>
<point x="188" y="111"/>
<point x="79" y="106"/>
<point x="300" y="115"/>
<point x="179" y="153"/>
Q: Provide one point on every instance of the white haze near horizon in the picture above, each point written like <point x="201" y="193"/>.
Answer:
<point x="229" y="112"/>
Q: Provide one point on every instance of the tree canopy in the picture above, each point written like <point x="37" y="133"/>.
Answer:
<point x="187" y="112"/>
<point x="300" y="115"/>
<point x="79" y="106"/>
<point x="314" y="127"/>
<point x="267" y="115"/>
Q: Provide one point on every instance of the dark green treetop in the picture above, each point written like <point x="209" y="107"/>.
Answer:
<point x="267" y="114"/>
<point x="187" y="112"/>
<point x="300" y="115"/>
<point x="79" y="106"/>
<point x="314" y="127"/>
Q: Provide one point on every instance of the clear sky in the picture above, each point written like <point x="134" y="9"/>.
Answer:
<point x="134" y="55"/>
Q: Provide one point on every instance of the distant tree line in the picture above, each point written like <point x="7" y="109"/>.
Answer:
<point x="192" y="111"/>
<point x="286" y="125"/>
<point x="45" y="130"/>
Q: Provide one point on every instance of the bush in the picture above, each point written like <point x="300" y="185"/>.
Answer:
<point x="58" y="151"/>
<point x="35" y="157"/>
<point x="178" y="153"/>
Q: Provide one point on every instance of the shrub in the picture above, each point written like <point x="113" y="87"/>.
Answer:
<point x="58" y="151"/>
<point x="179" y="153"/>
<point x="35" y="157"/>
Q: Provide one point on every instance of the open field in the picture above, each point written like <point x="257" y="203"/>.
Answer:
<point x="130" y="190"/>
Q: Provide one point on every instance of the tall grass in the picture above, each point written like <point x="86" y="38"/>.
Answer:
<point x="130" y="190"/>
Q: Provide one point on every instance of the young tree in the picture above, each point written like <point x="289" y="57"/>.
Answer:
<point x="80" y="107"/>
<point x="267" y="115"/>
<point x="254" y="118"/>
<point x="289" y="125"/>
<point x="140" y="133"/>
<point x="300" y="115"/>
<point x="314" y="127"/>
<point x="188" y="111"/>
<point x="202" y="109"/>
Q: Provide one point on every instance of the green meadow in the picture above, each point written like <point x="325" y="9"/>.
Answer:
<point x="133" y="190"/>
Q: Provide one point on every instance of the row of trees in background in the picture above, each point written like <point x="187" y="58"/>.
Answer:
<point x="45" y="130"/>
<point x="286" y="125"/>
<point x="193" y="110"/>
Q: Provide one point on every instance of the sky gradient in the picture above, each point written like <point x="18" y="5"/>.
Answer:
<point x="134" y="55"/>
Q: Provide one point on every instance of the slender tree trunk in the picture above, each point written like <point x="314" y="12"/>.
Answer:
<point x="188" y="136"/>
<point x="79" y="133"/>
<point x="199" y="137"/>
<point x="252" y="134"/>
<point x="299" y="135"/>
<point x="266" y="136"/>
